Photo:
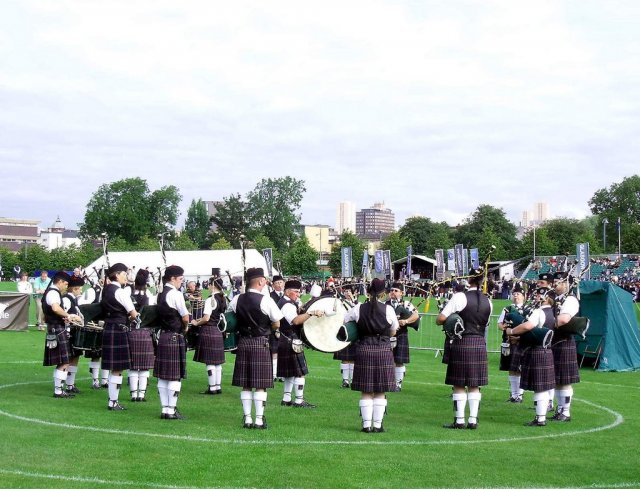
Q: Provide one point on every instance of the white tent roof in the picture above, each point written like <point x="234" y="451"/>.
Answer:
<point x="419" y="257"/>
<point x="195" y="263"/>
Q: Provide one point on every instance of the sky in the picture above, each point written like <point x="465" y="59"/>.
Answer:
<point x="431" y="107"/>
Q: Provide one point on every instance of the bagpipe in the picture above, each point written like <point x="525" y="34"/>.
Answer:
<point x="534" y="337"/>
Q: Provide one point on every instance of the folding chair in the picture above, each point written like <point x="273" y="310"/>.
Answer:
<point x="596" y="350"/>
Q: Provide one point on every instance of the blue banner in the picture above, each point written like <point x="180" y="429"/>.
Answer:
<point x="458" y="259"/>
<point x="347" y="263"/>
<point x="451" y="260"/>
<point x="440" y="264"/>
<point x="268" y="258"/>
<point x="582" y="252"/>
<point x="365" y="263"/>
<point x="378" y="263"/>
<point x="386" y="258"/>
<point x="475" y="257"/>
<point x="465" y="261"/>
<point x="409" y="256"/>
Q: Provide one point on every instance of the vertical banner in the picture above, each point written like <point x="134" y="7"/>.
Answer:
<point x="465" y="261"/>
<point x="365" y="264"/>
<point x="14" y="311"/>
<point x="347" y="263"/>
<point x="409" y="256"/>
<point x="378" y="264"/>
<point x="439" y="264"/>
<point x="386" y="259"/>
<point x="582" y="252"/>
<point x="458" y="259"/>
<point x="451" y="260"/>
<point x="475" y="257"/>
<point x="268" y="258"/>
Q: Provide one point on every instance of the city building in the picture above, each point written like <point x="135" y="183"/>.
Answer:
<point x="15" y="234"/>
<point x="346" y="217"/>
<point x="375" y="222"/>
<point x="541" y="212"/>
<point x="321" y="238"/>
<point x="57" y="236"/>
<point x="211" y="211"/>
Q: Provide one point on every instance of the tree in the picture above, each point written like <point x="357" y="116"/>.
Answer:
<point x="184" y="243"/>
<point x="147" y="243"/>
<point x="544" y="246"/>
<point x="357" y="249"/>
<point x="395" y="243"/>
<point x="488" y="222"/>
<point x="231" y="218"/>
<point x="126" y="209"/>
<point x="567" y="233"/>
<point x="301" y="258"/>
<point x="221" y="244"/>
<point x="619" y="201"/>
<point x="197" y="224"/>
<point x="426" y="236"/>
<point x="272" y="207"/>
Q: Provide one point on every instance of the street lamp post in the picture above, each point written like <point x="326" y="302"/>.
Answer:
<point x="605" y="221"/>
<point x="534" y="242"/>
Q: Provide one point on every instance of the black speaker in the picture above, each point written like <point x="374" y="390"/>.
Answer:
<point x="215" y="272"/>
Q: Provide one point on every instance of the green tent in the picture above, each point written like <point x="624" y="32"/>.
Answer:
<point x="613" y="333"/>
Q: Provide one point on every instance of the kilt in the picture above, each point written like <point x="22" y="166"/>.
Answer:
<point x="141" y="349"/>
<point x="467" y="364"/>
<point x="446" y="350"/>
<point x="290" y="363"/>
<point x="401" y="351"/>
<point x="115" y="348"/>
<point x="537" y="369"/>
<point x="347" y="354"/>
<point x="210" y="347"/>
<point x="253" y="368"/>
<point x="565" y="362"/>
<point x="171" y="358"/>
<point x="62" y="353"/>
<point x="374" y="368"/>
<point x="511" y="363"/>
<point x="273" y="343"/>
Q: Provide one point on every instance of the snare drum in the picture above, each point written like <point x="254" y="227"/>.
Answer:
<point x="230" y="341"/>
<point x="197" y="309"/>
<point x="87" y="338"/>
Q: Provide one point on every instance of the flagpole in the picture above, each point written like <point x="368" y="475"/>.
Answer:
<point x="619" y="242"/>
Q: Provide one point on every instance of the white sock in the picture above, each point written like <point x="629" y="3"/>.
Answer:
<point x="344" y="370"/>
<point x="288" y="387"/>
<point x="351" y="365"/>
<point x="260" y="401"/>
<point x="211" y="376"/>
<point x="247" y="401"/>
<point x="164" y="396"/>
<point x="59" y="376"/>
<point x="552" y="395"/>
<point x="71" y="375"/>
<point x="563" y="398"/>
<point x="274" y="362"/>
<point x="115" y="381"/>
<point x="474" y="405"/>
<point x="379" y="407"/>
<point x="400" y="374"/>
<point x="134" y="377"/>
<point x="94" y="370"/>
<point x="541" y="401"/>
<point x="514" y="382"/>
<point x="366" y="411"/>
<point x="173" y="389"/>
<point x="299" y="382"/>
<point x="218" y="384"/>
<point x="459" y="405"/>
<point x="104" y="376"/>
<point x="142" y="383"/>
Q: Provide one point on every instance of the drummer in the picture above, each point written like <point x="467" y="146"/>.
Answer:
<point x="70" y="304"/>
<point x="292" y="366"/>
<point x="140" y="343"/>
<point x="210" y="344"/>
<point x="401" y="351"/>
<point x="57" y="349"/>
<point x="373" y="370"/>
<point x="537" y="361"/>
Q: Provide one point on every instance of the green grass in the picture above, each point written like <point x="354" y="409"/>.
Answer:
<point x="43" y="438"/>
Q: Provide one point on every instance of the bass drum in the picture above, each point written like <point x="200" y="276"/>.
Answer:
<point x="321" y="333"/>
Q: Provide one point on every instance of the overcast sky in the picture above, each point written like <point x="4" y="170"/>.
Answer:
<point x="433" y="107"/>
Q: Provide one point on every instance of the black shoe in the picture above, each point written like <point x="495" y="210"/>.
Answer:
<point x="209" y="392"/>
<point x="515" y="400"/>
<point x="134" y="399"/>
<point x="262" y="426"/>
<point x="286" y="403"/>
<point x="178" y="415"/>
<point x="280" y="379"/>
<point x="72" y="389"/>
<point x="345" y="384"/>
<point x="304" y="404"/>
<point x="367" y="430"/>
<point x="217" y="391"/>
<point x="104" y="386"/>
<point x="117" y="407"/>
<point x="95" y="386"/>
<point x="454" y="426"/>
<point x="535" y="422"/>
<point x="63" y="395"/>
<point x="472" y="426"/>
<point x="559" y="416"/>
<point x="378" y="430"/>
<point x="246" y="424"/>
<point x="141" y="399"/>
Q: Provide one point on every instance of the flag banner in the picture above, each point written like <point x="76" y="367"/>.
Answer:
<point x="386" y="258"/>
<point x="458" y="259"/>
<point x="365" y="263"/>
<point x="465" y="261"/>
<point x="347" y="263"/>
<point x="582" y="252"/>
<point x="451" y="260"/>
<point x="378" y="262"/>
<point x="14" y="311"/>
<point x="440" y="264"/>
<point x="268" y="258"/>
<point x="409" y="256"/>
<point x="475" y="258"/>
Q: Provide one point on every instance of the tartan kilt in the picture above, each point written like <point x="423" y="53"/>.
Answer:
<point x="62" y="353"/>
<point x="273" y="344"/>
<point x="511" y="363"/>
<point x="171" y="357"/>
<point x="401" y="351"/>
<point x="347" y="354"/>
<point x="446" y="350"/>
<point x="374" y="367"/>
<point x="290" y="363"/>
<point x="468" y="362"/>
<point x="253" y="368"/>
<point x="141" y="349"/>
<point x="115" y="348"/>
<point x="210" y="347"/>
<point x="565" y="362"/>
<point x="537" y="369"/>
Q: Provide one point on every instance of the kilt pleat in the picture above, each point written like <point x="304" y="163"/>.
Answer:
<point x="537" y="369"/>
<point x="374" y="367"/>
<point x="290" y="363"/>
<point x="401" y="351"/>
<point x="467" y="364"/>
<point x="347" y="354"/>
<point x="253" y="368"/>
<point x="62" y="353"/>
<point x="516" y="358"/>
<point x="141" y="349"/>
<point x="446" y="350"/>
<point x="273" y="343"/>
<point x="565" y="362"/>
<point x="171" y="357"/>
<point x="210" y="347"/>
<point x="115" y="348"/>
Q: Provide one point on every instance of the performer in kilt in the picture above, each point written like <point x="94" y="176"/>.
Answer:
<point x="277" y="292"/>
<point x="537" y="361"/>
<point x="118" y="309"/>
<point x="57" y="349"/>
<point x="401" y="351"/>
<point x="257" y="315"/>
<point x="511" y="361"/>
<point x="210" y="345"/>
<point x="70" y="304"/>
<point x="373" y="370"/>
<point x="467" y="363"/>
<point x="292" y="366"/>
<point x="140" y="343"/>
<point x="171" y="359"/>
<point x="347" y="356"/>
<point x="565" y="357"/>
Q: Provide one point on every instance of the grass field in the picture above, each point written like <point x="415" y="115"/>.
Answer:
<point x="56" y="443"/>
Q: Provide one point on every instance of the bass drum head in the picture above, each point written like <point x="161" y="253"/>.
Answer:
<point x="321" y="333"/>
<point x="87" y="297"/>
